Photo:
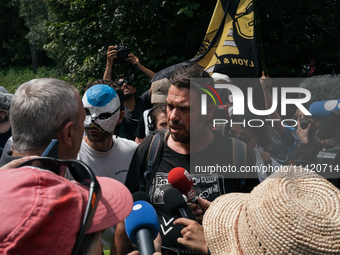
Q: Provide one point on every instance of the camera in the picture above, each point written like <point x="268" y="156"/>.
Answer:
<point x="304" y="123"/>
<point x="122" y="54"/>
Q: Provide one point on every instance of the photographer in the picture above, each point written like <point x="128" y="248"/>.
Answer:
<point x="112" y="54"/>
<point x="133" y="107"/>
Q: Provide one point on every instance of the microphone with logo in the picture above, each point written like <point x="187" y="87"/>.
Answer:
<point x="142" y="225"/>
<point x="175" y="203"/>
<point x="322" y="109"/>
<point x="180" y="179"/>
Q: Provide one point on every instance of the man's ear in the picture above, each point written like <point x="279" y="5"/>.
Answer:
<point x="121" y="117"/>
<point x="210" y="110"/>
<point x="66" y="134"/>
<point x="134" y="90"/>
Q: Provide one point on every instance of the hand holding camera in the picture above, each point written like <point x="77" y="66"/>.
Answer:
<point x="304" y="129"/>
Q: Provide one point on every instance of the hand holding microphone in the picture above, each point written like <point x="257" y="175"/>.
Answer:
<point x="142" y="226"/>
<point x="193" y="235"/>
<point x="198" y="210"/>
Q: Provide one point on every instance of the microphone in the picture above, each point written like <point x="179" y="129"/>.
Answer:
<point x="142" y="227"/>
<point x="140" y="195"/>
<point x="175" y="203"/>
<point x="180" y="179"/>
<point x="321" y="109"/>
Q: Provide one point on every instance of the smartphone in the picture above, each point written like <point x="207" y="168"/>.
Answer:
<point x="52" y="149"/>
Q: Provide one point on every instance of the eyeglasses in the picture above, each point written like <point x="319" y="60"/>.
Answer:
<point x="128" y="82"/>
<point x="82" y="174"/>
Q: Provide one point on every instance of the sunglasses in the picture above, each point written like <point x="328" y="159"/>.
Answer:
<point x="128" y="82"/>
<point x="245" y="139"/>
<point x="83" y="175"/>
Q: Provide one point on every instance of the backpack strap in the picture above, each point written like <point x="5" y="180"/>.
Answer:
<point x="239" y="158"/>
<point x="152" y="160"/>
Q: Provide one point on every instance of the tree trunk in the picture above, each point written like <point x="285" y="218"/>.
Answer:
<point x="35" y="57"/>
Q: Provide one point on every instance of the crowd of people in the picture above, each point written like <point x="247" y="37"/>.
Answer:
<point x="112" y="145"/>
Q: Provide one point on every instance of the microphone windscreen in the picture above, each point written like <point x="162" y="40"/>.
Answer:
<point x="173" y="200"/>
<point x="143" y="215"/>
<point x="180" y="179"/>
<point x="140" y="195"/>
<point x="321" y="109"/>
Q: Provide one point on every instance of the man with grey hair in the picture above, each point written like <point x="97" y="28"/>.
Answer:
<point x="42" y="110"/>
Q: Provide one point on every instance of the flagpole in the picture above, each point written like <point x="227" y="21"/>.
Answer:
<point x="258" y="33"/>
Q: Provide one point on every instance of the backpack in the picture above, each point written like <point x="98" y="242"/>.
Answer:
<point x="155" y="152"/>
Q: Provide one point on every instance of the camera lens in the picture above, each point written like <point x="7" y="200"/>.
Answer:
<point x="122" y="54"/>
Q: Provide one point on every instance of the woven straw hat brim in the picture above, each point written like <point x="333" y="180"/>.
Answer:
<point x="220" y="223"/>
<point x="294" y="212"/>
<point x="291" y="213"/>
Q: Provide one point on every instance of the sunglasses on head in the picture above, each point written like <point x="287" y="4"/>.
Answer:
<point x="128" y="82"/>
<point x="83" y="175"/>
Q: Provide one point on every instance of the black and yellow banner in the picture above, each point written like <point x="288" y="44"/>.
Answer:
<point x="229" y="46"/>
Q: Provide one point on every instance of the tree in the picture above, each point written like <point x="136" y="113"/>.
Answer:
<point x="81" y="31"/>
<point x="14" y="48"/>
<point x="294" y="32"/>
<point x="34" y="13"/>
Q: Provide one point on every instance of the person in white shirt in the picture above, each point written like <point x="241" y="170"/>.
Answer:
<point x="106" y="154"/>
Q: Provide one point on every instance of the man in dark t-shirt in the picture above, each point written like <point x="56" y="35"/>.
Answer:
<point x="134" y="109"/>
<point x="191" y="143"/>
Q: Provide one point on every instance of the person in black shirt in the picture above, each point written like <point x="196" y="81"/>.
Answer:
<point x="134" y="107"/>
<point x="190" y="143"/>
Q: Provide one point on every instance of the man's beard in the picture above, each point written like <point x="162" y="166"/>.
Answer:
<point x="4" y="119"/>
<point x="128" y="96"/>
<point x="185" y="139"/>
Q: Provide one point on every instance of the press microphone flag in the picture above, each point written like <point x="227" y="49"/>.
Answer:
<point x="180" y="179"/>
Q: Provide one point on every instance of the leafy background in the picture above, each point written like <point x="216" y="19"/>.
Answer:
<point x="69" y="38"/>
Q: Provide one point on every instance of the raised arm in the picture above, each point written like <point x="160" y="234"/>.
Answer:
<point x="110" y="55"/>
<point x="266" y="84"/>
<point x="135" y="61"/>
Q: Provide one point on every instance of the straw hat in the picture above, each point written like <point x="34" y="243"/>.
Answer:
<point x="293" y="212"/>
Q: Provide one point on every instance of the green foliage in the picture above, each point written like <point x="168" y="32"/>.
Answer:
<point x="81" y="32"/>
<point x="294" y="32"/>
<point x="12" y="78"/>
<point x="160" y="33"/>
<point x="35" y="16"/>
<point x="14" y="48"/>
